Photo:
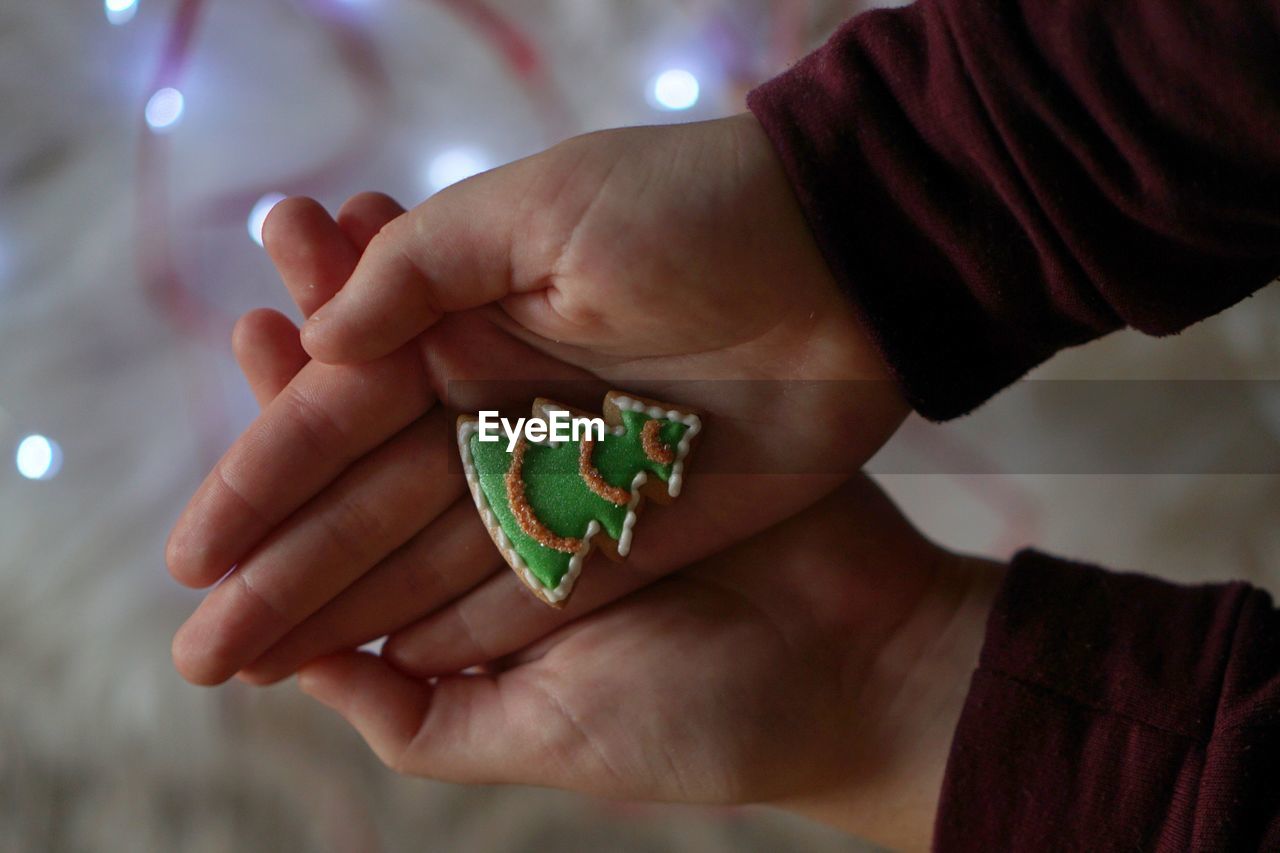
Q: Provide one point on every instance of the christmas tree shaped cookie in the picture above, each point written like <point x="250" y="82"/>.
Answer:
<point x="547" y="503"/>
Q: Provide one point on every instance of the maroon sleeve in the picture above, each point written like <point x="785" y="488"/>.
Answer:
<point x="994" y="180"/>
<point x="1118" y="712"/>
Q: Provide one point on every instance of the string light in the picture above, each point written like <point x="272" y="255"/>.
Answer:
<point x="674" y="89"/>
<point x="456" y="164"/>
<point x="362" y="61"/>
<point x="164" y="109"/>
<point x="258" y="216"/>
<point x="120" y="12"/>
<point x="38" y="458"/>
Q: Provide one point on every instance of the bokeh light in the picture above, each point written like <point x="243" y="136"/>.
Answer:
<point x="120" y="12"/>
<point x="38" y="458"/>
<point x="674" y="89"/>
<point x="258" y="216"/>
<point x="165" y="109"/>
<point x="455" y="164"/>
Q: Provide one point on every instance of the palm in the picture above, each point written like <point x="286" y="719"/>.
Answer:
<point x="678" y="663"/>
<point x="747" y="437"/>
<point x="751" y="677"/>
<point x="649" y="245"/>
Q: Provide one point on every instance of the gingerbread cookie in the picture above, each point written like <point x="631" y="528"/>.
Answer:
<point x="548" y="487"/>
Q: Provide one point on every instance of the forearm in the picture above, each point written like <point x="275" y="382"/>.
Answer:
<point x="1045" y="703"/>
<point x="991" y="182"/>
<point x="907" y="710"/>
<point x="1118" y="709"/>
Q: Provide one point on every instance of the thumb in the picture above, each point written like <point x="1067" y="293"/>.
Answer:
<point x="476" y="729"/>
<point x="451" y="253"/>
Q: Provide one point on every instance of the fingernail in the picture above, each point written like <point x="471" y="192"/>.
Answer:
<point x="306" y="683"/>
<point x="309" y="331"/>
<point x="314" y="687"/>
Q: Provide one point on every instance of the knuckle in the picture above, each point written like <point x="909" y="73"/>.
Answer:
<point x="231" y="484"/>
<point x="473" y="635"/>
<point x="315" y="425"/>
<point x="273" y="609"/>
<point x="386" y="240"/>
<point x="354" y="525"/>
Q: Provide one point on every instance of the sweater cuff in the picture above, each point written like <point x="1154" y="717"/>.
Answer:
<point x="993" y="182"/>
<point x="1115" y="709"/>
<point x="913" y="230"/>
<point x="864" y="190"/>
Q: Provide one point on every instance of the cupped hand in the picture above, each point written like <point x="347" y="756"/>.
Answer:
<point x="640" y="258"/>
<point x="820" y="665"/>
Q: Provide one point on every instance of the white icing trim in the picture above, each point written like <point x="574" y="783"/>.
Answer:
<point x="468" y="428"/>
<point x="629" y="523"/>
<point x="693" y="422"/>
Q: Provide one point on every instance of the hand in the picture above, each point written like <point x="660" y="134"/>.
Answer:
<point x="820" y="666"/>
<point x="636" y="257"/>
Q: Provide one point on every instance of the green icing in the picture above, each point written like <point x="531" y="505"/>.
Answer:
<point x="559" y="497"/>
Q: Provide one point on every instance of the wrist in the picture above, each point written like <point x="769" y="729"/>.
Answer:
<point x="905" y="707"/>
<point x="831" y="341"/>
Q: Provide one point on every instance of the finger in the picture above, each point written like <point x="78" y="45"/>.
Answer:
<point x="372" y="509"/>
<point x="364" y="215"/>
<point x="451" y="556"/>
<point x="894" y="568"/>
<point x="267" y="348"/>
<point x="472" y="729"/>
<point x="386" y="708"/>
<point x="451" y="253"/>
<point x="464" y="634"/>
<point x="748" y="567"/>
<point x="454" y="553"/>
<point x="325" y="419"/>
<point x="312" y="254"/>
<point x="500" y="616"/>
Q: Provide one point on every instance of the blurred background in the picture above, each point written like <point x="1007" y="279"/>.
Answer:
<point x="141" y="144"/>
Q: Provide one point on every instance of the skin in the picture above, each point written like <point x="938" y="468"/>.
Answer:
<point x="819" y="666"/>
<point x="635" y="258"/>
